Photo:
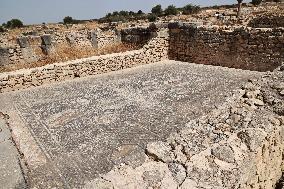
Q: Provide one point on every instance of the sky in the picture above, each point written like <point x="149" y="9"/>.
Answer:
<point x="52" y="11"/>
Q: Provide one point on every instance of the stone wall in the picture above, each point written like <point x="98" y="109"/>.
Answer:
<point x="244" y="48"/>
<point x="154" y="51"/>
<point x="267" y="22"/>
<point x="31" y="48"/>
<point x="23" y="50"/>
<point x="86" y="38"/>
<point x="106" y="38"/>
<point x="138" y="36"/>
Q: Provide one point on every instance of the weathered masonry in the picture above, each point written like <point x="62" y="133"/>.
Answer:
<point x="155" y="50"/>
<point x="237" y="145"/>
<point x="32" y="47"/>
<point x="252" y="49"/>
<point x="243" y="48"/>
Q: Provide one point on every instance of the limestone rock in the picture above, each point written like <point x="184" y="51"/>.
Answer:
<point x="99" y="184"/>
<point x="224" y="153"/>
<point x="255" y="101"/>
<point x="189" y="184"/>
<point x="252" y="94"/>
<point x="160" y="150"/>
<point x="178" y="172"/>
<point x="148" y="175"/>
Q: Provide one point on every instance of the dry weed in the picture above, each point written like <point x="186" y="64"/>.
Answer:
<point x="66" y="53"/>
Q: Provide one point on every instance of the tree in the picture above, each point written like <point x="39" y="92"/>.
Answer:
<point x="256" y="2"/>
<point x="108" y="15"/>
<point x="140" y="12"/>
<point x="123" y="13"/>
<point x="152" y="17"/>
<point x="157" y="10"/>
<point x="14" y="23"/>
<point x="239" y="7"/>
<point x="2" y="29"/>
<point x="115" y="13"/>
<point x="131" y="13"/>
<point x="171" y="10"/>
<point x="68" y="20"/>
<point x="190" y="9"/>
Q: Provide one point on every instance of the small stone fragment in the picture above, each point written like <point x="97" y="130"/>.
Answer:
<point x="160" y="150"/>
<point x="98" y="184"/>
<point x="258" y="102"/>
<point x="178" y="172"/>
<point x="224" y="153"/>
<point x="236" y="118"/>
<point x="250" y="86"/>
<point x="189" y="183"/>
<point x="252" y="94"/>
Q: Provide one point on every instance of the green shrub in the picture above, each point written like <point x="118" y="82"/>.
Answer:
<point x="152" y="18"/>
<point x="171" y="10"/>
<point x="117" y="18"/>
<point x="256" y="2"/>
<point x="123" y="13"/>
<point x="14" y="23"/>
<point x="68" y="20"/>
<point x="191" y="9"/>
<point x="140" y="12"/>
<point x="157" y="10"/>
<point x="131" y="13"/>
<point x="2" y="29"/>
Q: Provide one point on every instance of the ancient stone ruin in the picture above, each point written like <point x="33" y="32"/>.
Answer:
<point x="193" y="106"/>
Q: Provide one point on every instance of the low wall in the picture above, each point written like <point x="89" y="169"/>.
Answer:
<point x="138" y="36"/>
<point x="252" y="49"/>
<point x="267" y="22"/>
<point x="31" y="48"/>
<point x="249" y="48"/>
<point x="155" y="50"/>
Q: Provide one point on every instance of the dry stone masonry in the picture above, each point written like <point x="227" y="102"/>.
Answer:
<point x="33" y="47"/>
<point x="156" y="50"/>
<point x="267" y="21"/>
<point x="238" y="145"/>
<point x="244" y="48"/>
<point x="259" y="49"/>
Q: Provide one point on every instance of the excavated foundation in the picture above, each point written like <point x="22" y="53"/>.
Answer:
<point x="71" y="132"/>
<point x="155" y="122"/>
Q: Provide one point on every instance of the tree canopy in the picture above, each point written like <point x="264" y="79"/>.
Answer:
<point x="256" y="2"/>
<point x="171" y="10"/>
<point x="68" y="20"/>
<point x="14" y="23"/>
<point x="190" y="9"/>
<point x="157" y="10"/>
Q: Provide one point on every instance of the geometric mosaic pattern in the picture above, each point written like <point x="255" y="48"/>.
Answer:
<point x="86" y="126"/>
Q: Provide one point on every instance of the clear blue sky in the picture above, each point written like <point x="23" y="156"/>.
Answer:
<point x="38" y="11"/>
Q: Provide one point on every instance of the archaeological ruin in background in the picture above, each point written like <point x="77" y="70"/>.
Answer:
<point x="239" y="144"/>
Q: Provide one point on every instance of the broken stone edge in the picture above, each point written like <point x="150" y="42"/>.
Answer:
<point x="238" y="145"/>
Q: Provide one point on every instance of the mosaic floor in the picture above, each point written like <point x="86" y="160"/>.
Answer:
<point x="86" y="126"/>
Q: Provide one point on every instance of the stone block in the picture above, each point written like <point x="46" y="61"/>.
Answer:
<point x="4" y="56"/>
<point x="23" y="42"/>
<point x="175" y="25"/>
<point x="94" y="39"/>
<point x="46" y="39"/>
